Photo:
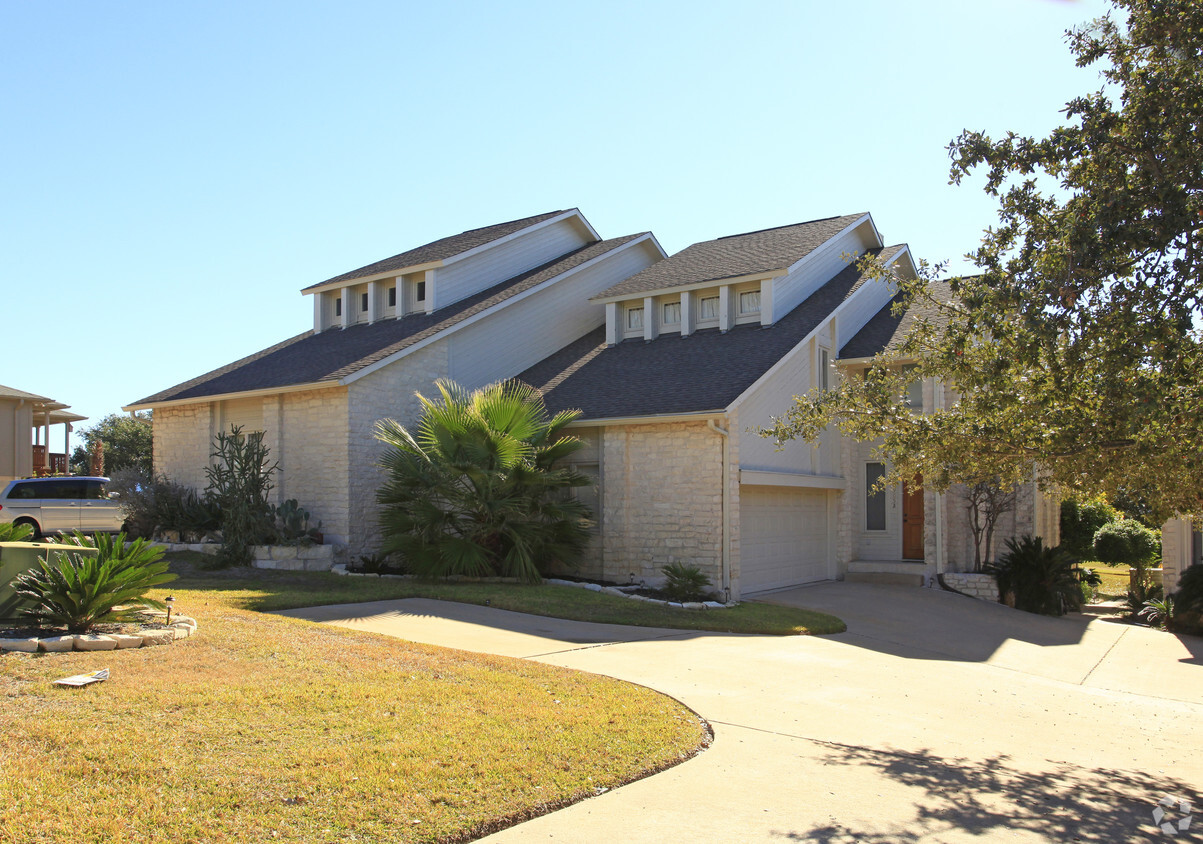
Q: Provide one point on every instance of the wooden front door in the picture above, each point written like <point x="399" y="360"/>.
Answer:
<point x="912" y="520"/>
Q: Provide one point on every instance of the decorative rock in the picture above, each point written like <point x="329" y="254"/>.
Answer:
<point x="555" y="581"/>
<point x="714" y="605"/>
<point x="184" y="619"/>
<point x="126" y="640"/>
<point x="23" y="645"/>
<point x="58" y="644"/>
<point x="694" y="605"/>
<point x="181" y="631"/>
<point x="94" y="642"/>
<point x="339" y="568"/>
<point x="593" y="587"/>
<point x="158" y="637"/>
<point x="610" y="590"/>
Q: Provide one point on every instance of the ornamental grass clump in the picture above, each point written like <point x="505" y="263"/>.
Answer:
<point x="478" y="488"/>
<point x="79" y="591"/>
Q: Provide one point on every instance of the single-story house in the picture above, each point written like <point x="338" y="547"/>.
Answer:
<point x="25" y="423"/>
<point x="674" y="363"/>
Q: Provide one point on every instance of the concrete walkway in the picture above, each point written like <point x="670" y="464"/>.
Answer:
<point x="934" y="718"/>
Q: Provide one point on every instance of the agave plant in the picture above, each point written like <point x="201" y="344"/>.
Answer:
<point x="14" y="533"/>
<point x="79" y="591"/>
<point x="477" y="490"/>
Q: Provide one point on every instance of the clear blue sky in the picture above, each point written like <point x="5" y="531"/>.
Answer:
<point x="174" y="173"/>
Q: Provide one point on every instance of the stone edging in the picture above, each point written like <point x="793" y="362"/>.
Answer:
<point x="181" y="627"/>
<point x="619" y="591"/>
<point x="975" y="585"/>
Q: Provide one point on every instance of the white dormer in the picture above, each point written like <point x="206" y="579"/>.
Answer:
<point x="446" y="271"/>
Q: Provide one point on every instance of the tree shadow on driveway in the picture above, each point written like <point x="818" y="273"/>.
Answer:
<point x="985" y="799"/>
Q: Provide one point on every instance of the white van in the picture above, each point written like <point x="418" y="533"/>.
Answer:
<point x="53" y="505"/>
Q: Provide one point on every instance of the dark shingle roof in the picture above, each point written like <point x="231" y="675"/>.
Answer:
<point x="442" y="249"/>
<point x="702" y="372"/>
<point x="885" y="330"/>
<point x="337" y="353"/>
<point x="734" y="256"/>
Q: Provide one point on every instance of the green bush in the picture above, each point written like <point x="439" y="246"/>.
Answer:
<point x="79" y="591"/>
<point x="1188" y="601"/>
<point x="1080" y="521"/>
<point x="239" y="481"/>
<point x="1039" y="579"/>
<point x="15" y="533"/>
<point x="152" y="505"/>
<point x="1126" y="542"/>
<point x="479" y="487"/>
<point x="685" y="583"/>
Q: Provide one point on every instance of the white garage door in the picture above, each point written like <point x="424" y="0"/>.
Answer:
<point x="783" y="537"/>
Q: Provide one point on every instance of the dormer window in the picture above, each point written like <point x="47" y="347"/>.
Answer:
<point x="363" y="303"/>
<point x="708" y="310"/>
<point x="420" y="292"/>
<point x="749" y="303"/>
<point x="635" y="319"/>
<point x="338" y="306"/>
<point x="392" y="296"/>
<point x="672" y="313"/>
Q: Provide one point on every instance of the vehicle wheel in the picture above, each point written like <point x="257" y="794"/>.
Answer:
<point x="37" y="531"/>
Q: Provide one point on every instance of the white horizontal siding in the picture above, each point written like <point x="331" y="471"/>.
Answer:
<point x="866" y="304"/>
<point x="773" y="397"/>
<point x="525" y="332"/>
<point x="495" y="264"/>
<point x="820" y="266"/>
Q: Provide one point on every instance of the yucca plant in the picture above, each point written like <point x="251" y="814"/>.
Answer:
<point x="476" y="488"/>
<point x="79" y="591"/>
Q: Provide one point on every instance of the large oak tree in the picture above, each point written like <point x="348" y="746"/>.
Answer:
<point x="1077" y="346"/>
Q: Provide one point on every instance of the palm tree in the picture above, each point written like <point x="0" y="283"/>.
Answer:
<point x="476" y="489"/>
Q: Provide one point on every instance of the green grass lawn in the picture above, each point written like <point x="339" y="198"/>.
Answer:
<point x="264" y="728"/>
<point x="265" y="591"/>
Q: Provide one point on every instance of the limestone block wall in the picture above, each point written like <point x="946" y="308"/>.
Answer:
<point x="182" y="440"/>
<point x="307" y="436"/>
<point x="662" y="500"/>
<point x="981" y="586"/>
<point x="386" y="393"/>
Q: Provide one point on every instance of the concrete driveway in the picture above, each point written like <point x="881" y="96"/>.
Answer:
<point x="934" y="718"/>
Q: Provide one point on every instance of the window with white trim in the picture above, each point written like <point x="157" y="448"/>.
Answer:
<point x="672" y="313"/>
<point x="338" y="305"/>
<point x="708" y="308"/>
<point x="392" y="296"/>
<point x="635" y="319"/>
<point x="749" y="302"/>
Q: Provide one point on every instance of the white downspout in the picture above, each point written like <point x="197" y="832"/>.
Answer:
<point x="17" y="464"/>
<point x="726" y="521"/>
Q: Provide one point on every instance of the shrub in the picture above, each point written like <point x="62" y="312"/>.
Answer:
<point x="292" y="524"/>
<point x="78" y="591"/>
<point x="685" y="583"/>
<point x="1128" y="542"/>
<point x="1188" y="601"/>
<point x="1159" y="612"/>
<point x="239" y="481"/>
<point x="476" y="490"/>
<point x="15" y="533"/>
<point x="152" y="505"/>
<point x="1041" y="579"/>
<point x="1080" y="521"/>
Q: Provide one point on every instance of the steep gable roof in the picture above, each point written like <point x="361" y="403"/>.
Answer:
<point x="329" y="356"/>
<point x="441" y="249"/>
<point x="886" y="330"/>
<point x="733" y="256"/>
<point x="703" y="372"/>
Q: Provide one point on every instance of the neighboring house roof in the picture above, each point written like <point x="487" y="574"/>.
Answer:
<point x="886" y="330"/>
<point x="703" y="372"/>
<point x="337" y="353"/>
<point x="442" y="249"/>
<point x="13" y="393"/>
<point x="734" y="256"/>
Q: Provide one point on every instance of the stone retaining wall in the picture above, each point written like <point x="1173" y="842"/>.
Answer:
<point x="981" y="586"/>
<point x="286" y="557"/>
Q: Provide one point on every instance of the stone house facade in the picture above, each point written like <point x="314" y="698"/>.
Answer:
<point x="674" y="363"/>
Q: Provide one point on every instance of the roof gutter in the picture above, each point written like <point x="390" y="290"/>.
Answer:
<point x="248" y="394"/>
<point x="658" y="419"/>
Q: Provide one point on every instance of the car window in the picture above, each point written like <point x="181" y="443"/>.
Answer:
<point x="63" y="489"/>
<point x="24" y="492"/>
<point x="96" y="489"/>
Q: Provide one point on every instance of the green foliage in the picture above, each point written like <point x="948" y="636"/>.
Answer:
<point x="1080" y="521"/>
<point x="292" y="524"/>
<point x="126" y="443"/>
<point x="1075" y="348"/>
<point x="685" y="583"/>
<point x="476" y="490"/>
<point x="1040" y="579"/>
<point x="1188" y="601"/>
<point x="15" y="533"/>
<point x="154" y="505"/>
<point x="78" y="591"/>
<point x="1159" y="612"/>
<point x="1126" y="542"/>
<point x="239" y="481"/>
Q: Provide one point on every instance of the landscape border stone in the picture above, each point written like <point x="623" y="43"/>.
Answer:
<point x="181" y="627"/>
<point x="619" y="591"/>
